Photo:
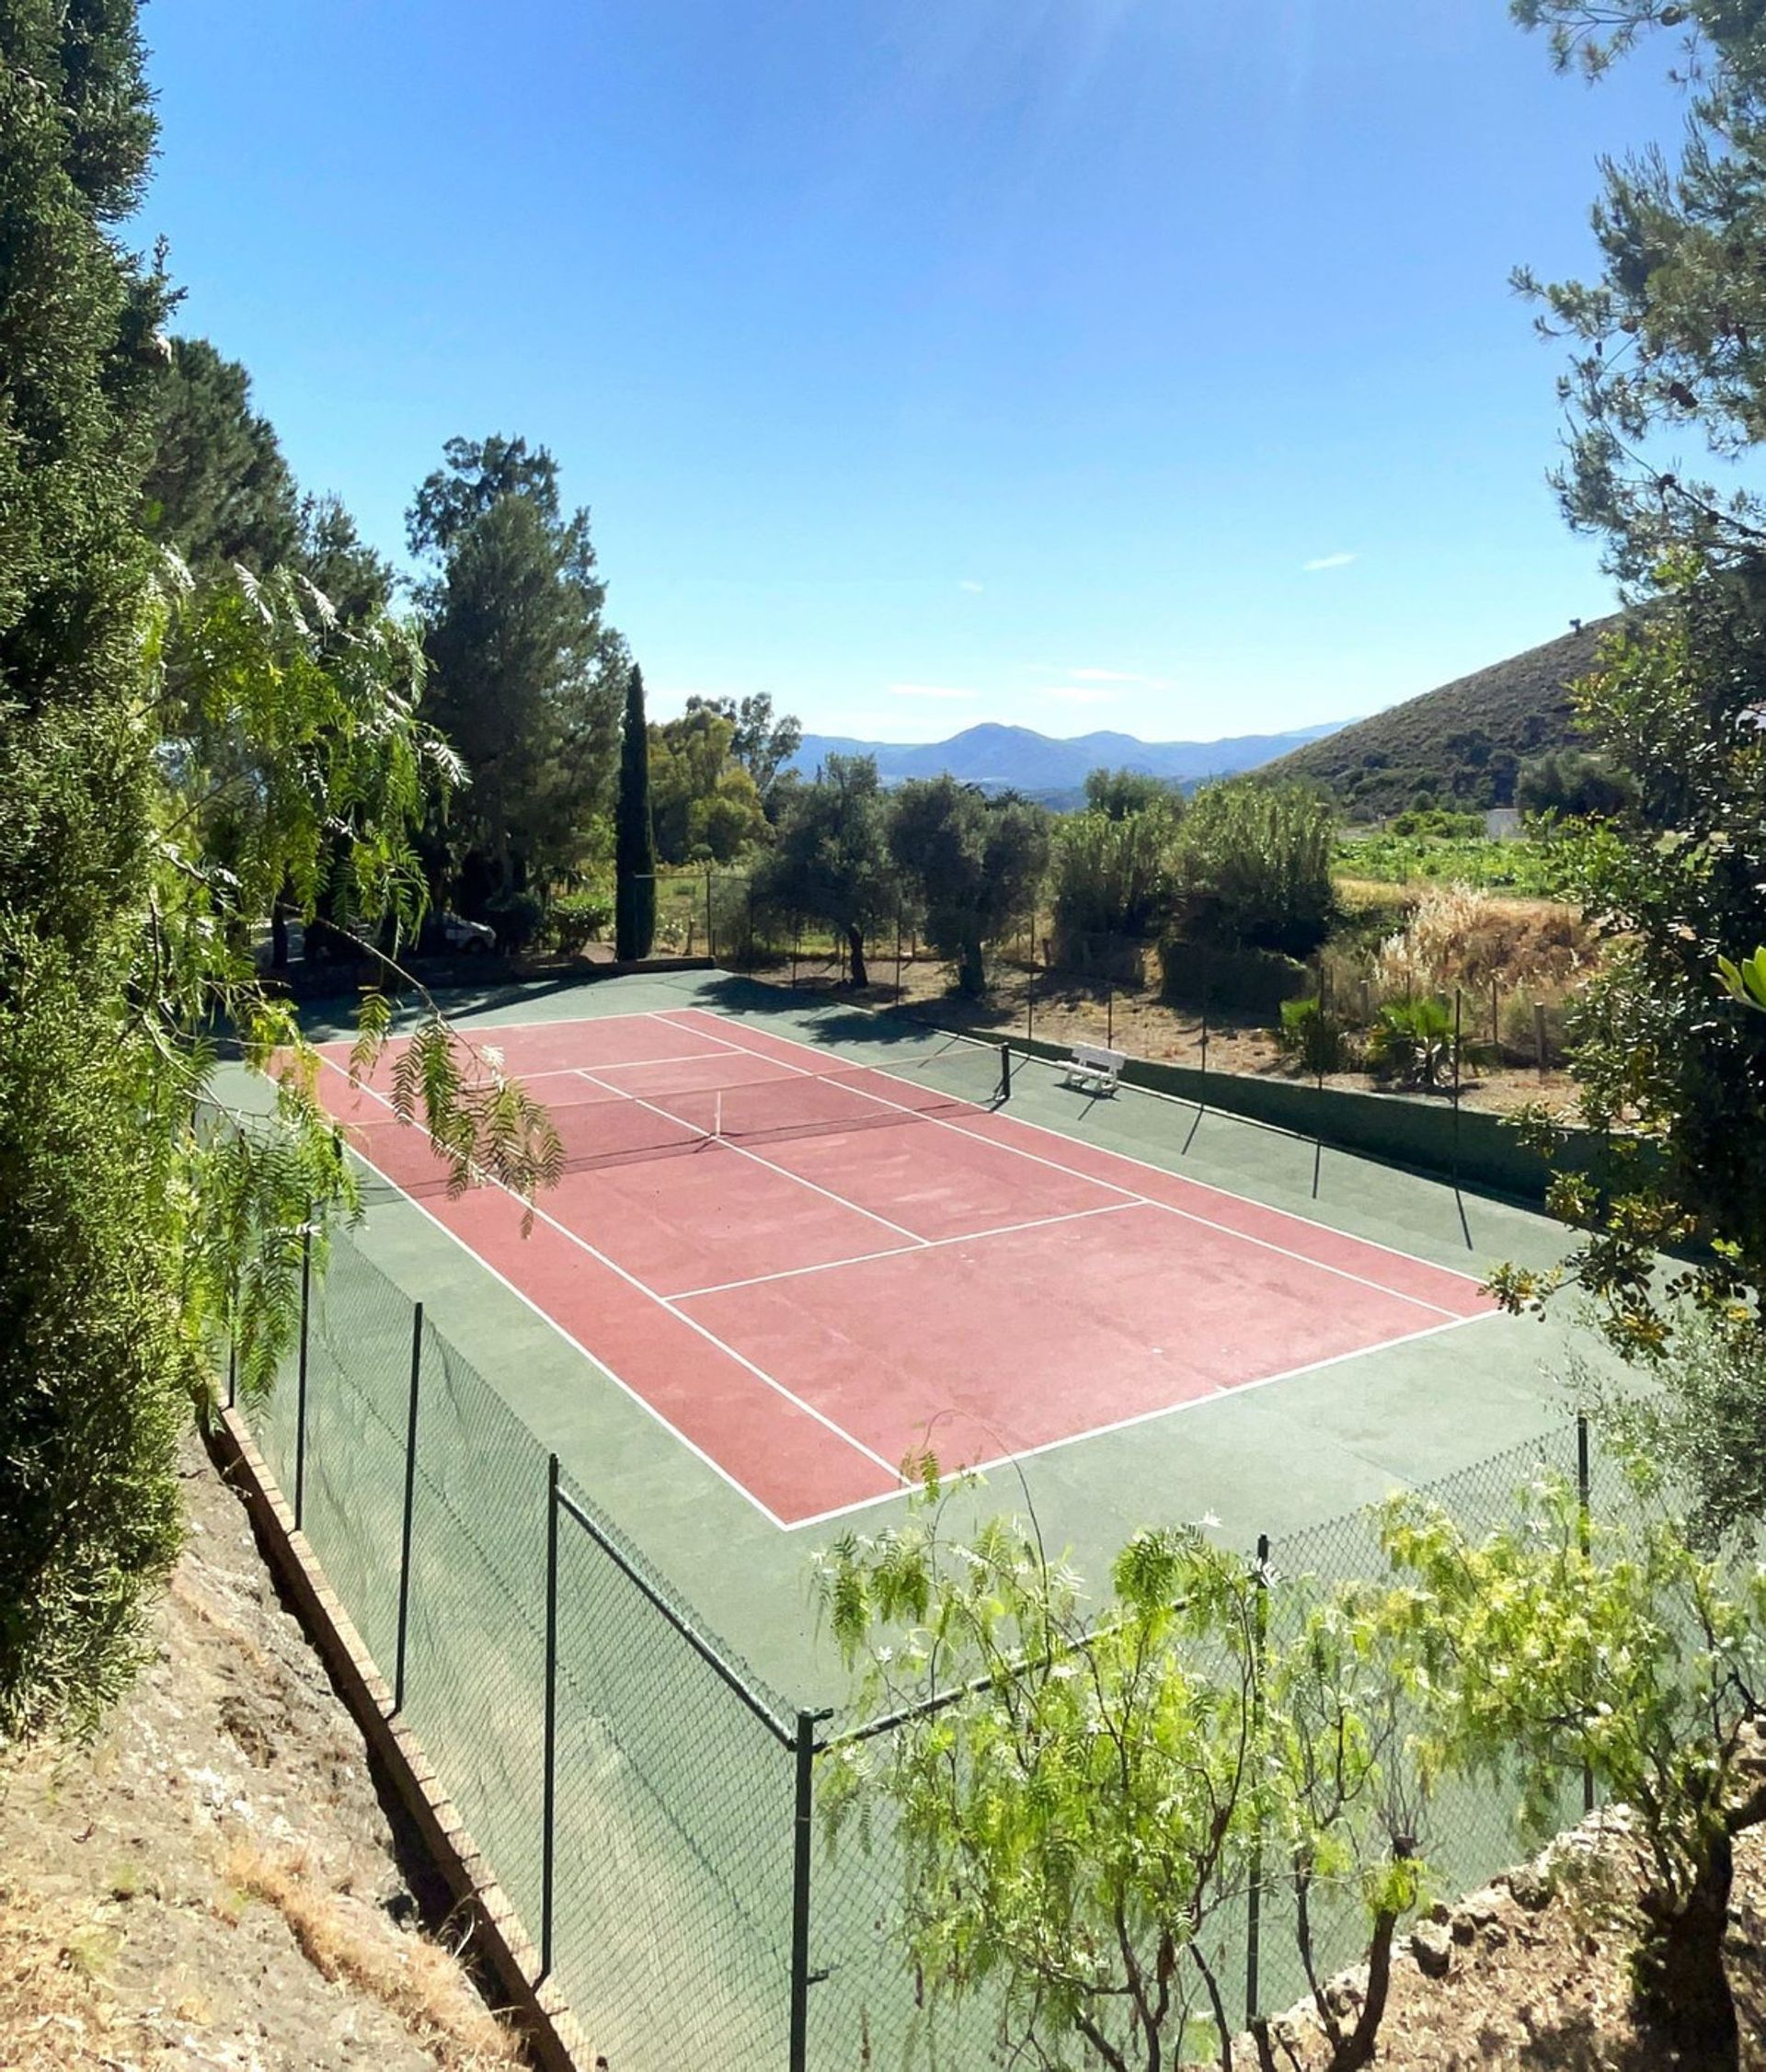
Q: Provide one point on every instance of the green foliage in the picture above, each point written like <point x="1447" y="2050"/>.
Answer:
<point x="1573" y="785"/>
<point x="1083" y="1811"/>
<point x="1463" y="745"/>
<point x="1745" y="982"/>
<point x="525" y="676"/>
<point x="218" y="489"/>
<point x="633" y="837"/>
<point x="1556" y="1642"/>
<point x="1663" y="359"/>
<point x="1437" y="823"/>
<point x="760" y="743"/>
<point x="1671" y="1073"/>
<point x="831" y="862"/>
<point x="1111" y="871"/>
<point x="1536" y="868"/>
<point x="578" y="919"/>
<point x="1122" y="795"/>
<point x="1232" y="982"/>
<point x="974" y="862"/>
<point x="704" y="802"/>
<point x="175" y="754"/>
<point x="1412" y="1041"/>
<point x="1317" y="1040"/>
<point x="1252" y="867"/>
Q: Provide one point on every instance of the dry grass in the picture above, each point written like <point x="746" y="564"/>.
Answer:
<point x="417" y="1981"/>
<point x="1458" y="937"/>
<point x="54" y="2014"/>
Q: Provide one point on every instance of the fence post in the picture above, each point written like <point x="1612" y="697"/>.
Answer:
<point x="796" y="938"/>
<point x="1254" y="1907"/>
<point x="711" y="937"/>
<point x="1539" y="1035"/>
<point x="550" y="1779"/>
<point x="802" y="1838"/>
<point x="1109" y="996"/>
<point x="1458" y="1002"/>
<point x="410" y="1506"/>
<point x="898" y="956"/>
<point x="1005" y="1071"/>
<point x="1582" y="1514"/>
<point x="300" y="1383"/>
<point x="232" y="1342"/>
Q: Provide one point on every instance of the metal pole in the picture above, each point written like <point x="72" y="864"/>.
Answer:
<point x="410" y="1508"/>
<point x="802" y="1839"/>
<point x="1582" y="1508"/>
<point x="1005" y="1071"/>
<point x="1538" y="1035"/>
<point x="550" y="1784"/>
<point x="1254" y="1909"/>
<point x="1110" y="997"/>
<point x="300" y="1389"/>
<point x="232" y="1342"/>
<point x="796" y="938"/>
<point x="711" y="934"/>
<point x="1459" y="1002"/>
<point x="1030" y="986"/>
<point x="898" y="956"/>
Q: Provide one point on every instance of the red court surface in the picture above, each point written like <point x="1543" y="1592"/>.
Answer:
<point x="808" y="1271"/>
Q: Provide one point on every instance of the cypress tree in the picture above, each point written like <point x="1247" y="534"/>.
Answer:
<point x="633" y="837"/>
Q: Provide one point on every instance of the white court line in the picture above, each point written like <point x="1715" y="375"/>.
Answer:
<point x="904" y="1250"/>
<point x="1151" y="1417"/>
<point x="1073" y="1173"/>
<point x="827" y="1194"/>
<point x="662" y="1301"/>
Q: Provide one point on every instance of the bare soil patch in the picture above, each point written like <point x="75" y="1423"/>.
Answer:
<point x="214" y="1881"/>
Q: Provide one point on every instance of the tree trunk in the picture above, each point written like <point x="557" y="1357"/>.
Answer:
<point x="971" y="972"/>
<point x="1681" y="1983"/>
<point x="1357" y="2049"/>
<point x="855" y="946"/>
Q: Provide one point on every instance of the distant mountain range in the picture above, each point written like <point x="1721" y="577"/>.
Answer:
<point x="1020" y="759"/>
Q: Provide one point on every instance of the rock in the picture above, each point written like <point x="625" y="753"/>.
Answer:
<point x="1532" y="1887"/>
<point x="1495" y="1935"/>
<point x="1432" y="1948"/>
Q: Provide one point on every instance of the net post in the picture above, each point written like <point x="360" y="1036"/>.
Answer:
<point x="300" y="1374"/>
<point x="409" y="1510"/>
<point x="1005" y="1071"/>
<point x="803" y="1747"/>
<point x="550" y="1781"/>
<point x="1253" y="1898"/>
<point x="1584" y="1537"/>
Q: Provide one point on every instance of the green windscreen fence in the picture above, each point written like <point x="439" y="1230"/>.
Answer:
<point x="677" y="1853"/>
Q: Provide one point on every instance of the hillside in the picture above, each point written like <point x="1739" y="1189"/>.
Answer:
<point x="999" y="756"/>
<point x="1461" y="743"/>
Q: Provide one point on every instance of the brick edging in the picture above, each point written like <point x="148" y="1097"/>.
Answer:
<point x="551" y="2029"/>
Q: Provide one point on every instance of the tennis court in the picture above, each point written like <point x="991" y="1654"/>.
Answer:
<point x="806" y="1270"/>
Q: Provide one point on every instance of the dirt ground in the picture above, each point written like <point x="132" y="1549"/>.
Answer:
<point x="214" y="1882"/>
<point x="1529" y="1973"/>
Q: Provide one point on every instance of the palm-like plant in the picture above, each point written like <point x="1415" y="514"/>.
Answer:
<point x="1413" y="1041"/>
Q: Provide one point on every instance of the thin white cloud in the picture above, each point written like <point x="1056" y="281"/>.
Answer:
<point x="929" y="691"/>
<point x="1083" y="693"/>
<point x="973" y="587"/>
<point x="1120" y="676"/>
<point x="1328" y="561"/>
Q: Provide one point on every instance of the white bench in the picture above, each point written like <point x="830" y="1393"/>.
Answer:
<point x="1095" y="1069"/>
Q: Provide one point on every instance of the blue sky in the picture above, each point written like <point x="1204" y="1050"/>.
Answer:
<point x="1146" y="364"/>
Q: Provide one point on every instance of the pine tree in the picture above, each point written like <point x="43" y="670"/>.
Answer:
<point x="634" y="838"/>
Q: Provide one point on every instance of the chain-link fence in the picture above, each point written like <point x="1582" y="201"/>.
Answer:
<point x="647" y="1800"/>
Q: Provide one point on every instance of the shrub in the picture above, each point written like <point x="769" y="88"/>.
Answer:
<point x="578" y="919"/>
<point x="1236" y="982"/>
<point x="1252" y="867"/>
<point x="1112" y="872"/>
<point x="1314" y="1036"/>
<point x="1413" y="1041"/>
